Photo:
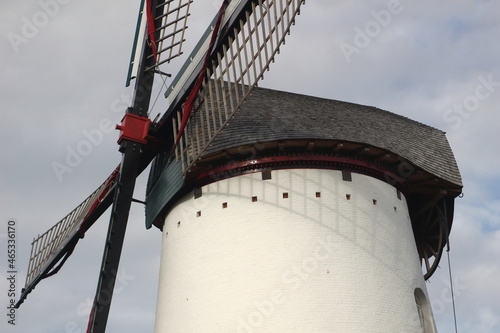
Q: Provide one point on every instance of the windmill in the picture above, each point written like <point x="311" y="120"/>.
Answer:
<point x="207" y="138"/>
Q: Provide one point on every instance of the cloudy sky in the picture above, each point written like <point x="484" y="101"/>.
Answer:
<point x="63" y="68"/>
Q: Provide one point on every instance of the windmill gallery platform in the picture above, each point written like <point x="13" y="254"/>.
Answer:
<point x="304" y="215"/>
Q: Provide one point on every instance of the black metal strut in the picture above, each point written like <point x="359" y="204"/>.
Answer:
<point x="131" y="150"/>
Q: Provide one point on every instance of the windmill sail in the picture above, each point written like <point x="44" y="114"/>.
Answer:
<point x="56" y="244"/>
<point x="169" y="25"/>
<point x="246" y="48"/>
<point x="162" y="24"/>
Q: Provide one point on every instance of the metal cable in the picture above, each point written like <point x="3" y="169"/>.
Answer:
<point x="451" y="287"/>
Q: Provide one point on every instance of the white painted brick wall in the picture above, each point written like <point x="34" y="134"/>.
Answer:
<point x="297" y="264"/>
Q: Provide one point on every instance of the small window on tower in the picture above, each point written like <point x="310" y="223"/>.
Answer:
<point x="346" y="176"/>
<point x="285" y="195"/>
<point x="197" y="192"/>
<point x="266" y="175"/>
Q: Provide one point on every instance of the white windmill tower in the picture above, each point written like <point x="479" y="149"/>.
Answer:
<point x="279" y="212"/>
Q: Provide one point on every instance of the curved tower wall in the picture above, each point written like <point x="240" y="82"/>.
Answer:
<point x="303" y="251"/>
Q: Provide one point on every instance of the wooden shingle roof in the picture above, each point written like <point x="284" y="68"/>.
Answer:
<point x="270" y="115"/>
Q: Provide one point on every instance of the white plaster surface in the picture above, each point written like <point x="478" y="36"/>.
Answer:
<point x="307" y="263"/>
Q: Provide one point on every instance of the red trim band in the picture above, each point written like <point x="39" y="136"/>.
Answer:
<point x="301" y="161"/>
